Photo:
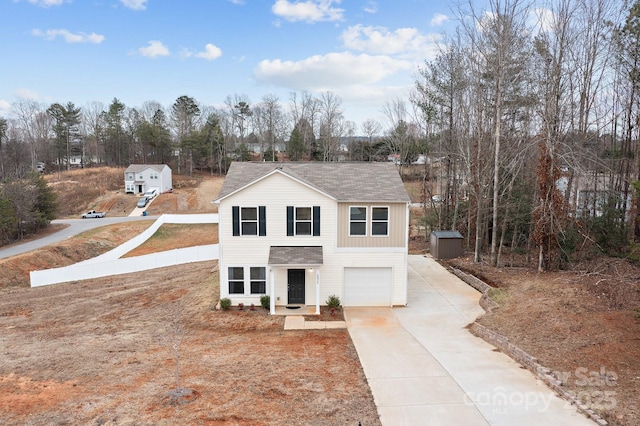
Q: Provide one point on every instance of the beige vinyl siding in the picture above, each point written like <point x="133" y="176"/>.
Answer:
<point x="276" y="193"/>
<point x="397" y="226"/>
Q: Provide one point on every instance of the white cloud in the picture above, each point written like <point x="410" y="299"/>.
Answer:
<point x="5" y="107"/>
<point x="371" y="7"/>
<point x="309" y="11"/>
<point x="155" y="48"/>
<point x="211" y="52"/>
<point x="26" y="94"/>
<point x="68" y="36"/>
<point x="324" y="72"/>
<point x="438" y="19"/>
<point x="46" y="3"/>
<point x="240" y="2"/>
<point x="542" y="19"/>
<point x="379" y="40"/>
<point x="135" y="4"/>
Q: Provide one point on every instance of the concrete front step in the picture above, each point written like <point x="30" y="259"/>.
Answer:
<point x="295" y="322"/>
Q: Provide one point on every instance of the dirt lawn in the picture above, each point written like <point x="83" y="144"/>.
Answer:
<point x="583" y="324"/>
<point x="98" y="352"/>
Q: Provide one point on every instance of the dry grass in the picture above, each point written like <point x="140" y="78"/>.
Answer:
<point x="83" y="189"/>
<point x="15" y="269"/>
<point x="95" y="352"/>
<point x="97" y="241"/>
<point x="568" y="322"/>
<point x="102" y="189"/>
<point x="194" y="196"/>
<point x="173" y="236"/>
<point x="414" y="189"/>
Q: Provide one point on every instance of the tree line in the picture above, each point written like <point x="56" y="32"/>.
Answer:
<point x="187" y="135"/>
<point x="534" y="114"/>
<point x="526" y="118"/>
<point x="27" y="205"/>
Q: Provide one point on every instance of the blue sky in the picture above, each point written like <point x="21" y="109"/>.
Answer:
<point x="366" y="52"/>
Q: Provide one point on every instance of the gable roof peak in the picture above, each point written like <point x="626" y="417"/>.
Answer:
<point x="344" y="181"/>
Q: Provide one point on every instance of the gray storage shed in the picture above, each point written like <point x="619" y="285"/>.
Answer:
<point x="446" y="244"/>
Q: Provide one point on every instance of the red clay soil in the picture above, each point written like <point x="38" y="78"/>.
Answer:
<point x="583" y="324"/>
<point x="99" y="352"/>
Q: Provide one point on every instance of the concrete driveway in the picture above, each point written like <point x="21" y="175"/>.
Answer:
<point x="425" y="368"/>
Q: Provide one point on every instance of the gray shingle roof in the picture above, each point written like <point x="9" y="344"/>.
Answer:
<point x="364" y="182"/>
<point x="292" y="255"/>
<point x="447" y="234"/>
<point x="136" y="168"/>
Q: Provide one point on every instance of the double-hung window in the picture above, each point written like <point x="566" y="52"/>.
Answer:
<point x="249" y="220"/>
<point x="380" y="221"/>
<point x="236" y="280"/>
<point x="258" y="280"/>
<point x="303" y="221"/>
<point x="357" y="221"/>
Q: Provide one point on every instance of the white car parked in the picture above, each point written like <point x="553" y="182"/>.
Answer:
<point x="151" y="194"/>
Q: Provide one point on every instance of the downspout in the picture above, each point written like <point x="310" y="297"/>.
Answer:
<point x="406" y="258"/>
<point x="318" y="292"/>
<point x="272" y="293"/>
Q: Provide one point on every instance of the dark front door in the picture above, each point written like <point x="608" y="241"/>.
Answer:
<point x="295" y="286"/>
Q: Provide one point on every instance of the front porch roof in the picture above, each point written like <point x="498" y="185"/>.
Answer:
<point x="295" y="255"/>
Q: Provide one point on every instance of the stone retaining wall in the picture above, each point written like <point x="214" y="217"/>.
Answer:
<point x="486" y="302"/>
<point x="474" y="282"/>
<point x="516" y="353"/>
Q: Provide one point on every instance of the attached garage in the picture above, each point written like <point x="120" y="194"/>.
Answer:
<point x="367" y="286"/>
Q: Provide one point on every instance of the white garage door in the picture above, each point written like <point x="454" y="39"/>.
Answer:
<point x="367" y="286"/>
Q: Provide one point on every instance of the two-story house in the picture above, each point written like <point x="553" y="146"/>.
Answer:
<point x="300" y="232"/>
<point x="139" y="178"/>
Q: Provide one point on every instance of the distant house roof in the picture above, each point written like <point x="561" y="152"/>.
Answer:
<point x="135" y="168"/>
<point x="343" y="181"/>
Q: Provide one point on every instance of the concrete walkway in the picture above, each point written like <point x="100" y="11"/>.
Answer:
<point x="425" y="368"/>
<point x="297" y="322"/>
<point x="112" y="263"/>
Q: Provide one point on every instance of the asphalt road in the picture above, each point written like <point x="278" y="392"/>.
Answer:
<point x="76" y="226"/>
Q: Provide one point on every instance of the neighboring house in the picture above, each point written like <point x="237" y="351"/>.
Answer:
<point x="422" y="159"/>
<point x="590" y="192"/>
<point x="394" y="158"/>
<point x="138" y="178"/>
<point x="76" y="161"/>
<point x="300" y="232"/>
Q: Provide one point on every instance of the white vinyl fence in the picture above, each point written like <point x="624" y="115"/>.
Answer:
<point x="110" y="263"/>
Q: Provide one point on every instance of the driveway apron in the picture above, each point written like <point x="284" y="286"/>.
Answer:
<point x="425" y="368"/>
